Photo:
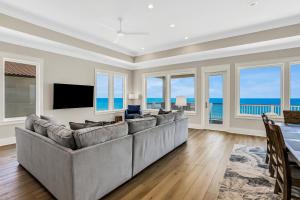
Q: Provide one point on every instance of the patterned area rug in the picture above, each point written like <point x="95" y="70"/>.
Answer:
<point x="247" y="175"/>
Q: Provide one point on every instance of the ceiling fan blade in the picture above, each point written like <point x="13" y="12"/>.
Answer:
<point x="135" y="33"/>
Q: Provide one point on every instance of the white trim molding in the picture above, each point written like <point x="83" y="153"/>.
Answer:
<point x="263" y="64"/>
<point x="7" y="141"/>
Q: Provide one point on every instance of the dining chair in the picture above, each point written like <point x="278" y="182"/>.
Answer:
<point x="287" y="175"/>
<point x="291" y="117"/>
<point x="270" y="157"/>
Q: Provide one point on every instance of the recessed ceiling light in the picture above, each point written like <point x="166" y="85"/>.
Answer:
<point x="172" y="25"/>
<point x="253" y="3"/>
<point x="186" y="37"/>
<point x="142" y="48"/>
<point x="150" y="6"/>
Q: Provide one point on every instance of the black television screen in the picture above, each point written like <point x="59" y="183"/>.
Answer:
<point x="72" y="96"/>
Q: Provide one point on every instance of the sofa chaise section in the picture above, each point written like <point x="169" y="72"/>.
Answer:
<point x="84" y="174"/>
<point x="151" y="144"/>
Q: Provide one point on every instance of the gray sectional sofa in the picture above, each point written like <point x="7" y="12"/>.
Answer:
<point x="97" y="168"/>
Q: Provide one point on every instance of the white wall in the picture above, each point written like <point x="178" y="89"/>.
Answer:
<point x="236" y="125"/>
<point x="60" y="69"/>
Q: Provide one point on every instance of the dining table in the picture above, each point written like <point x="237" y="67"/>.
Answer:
<point x="291" y="135"/>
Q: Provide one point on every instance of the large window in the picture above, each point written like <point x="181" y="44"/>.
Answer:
<point x="118" y="92"/>
<point x="260" y="90"/>
<point x="295" y="87"/>
<point x="102" y="91"/>
<point x="110" y="91"/>
<point x="161" y="90"/>
<point x="155" y="92"/>
<point x="183" y="85"/>
<point x="21" y="88"/>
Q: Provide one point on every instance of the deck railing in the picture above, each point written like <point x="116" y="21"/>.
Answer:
<point x="259" y="109"/>
<point x="295" y="107"/>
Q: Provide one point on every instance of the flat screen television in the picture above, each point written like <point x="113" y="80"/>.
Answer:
<point x="72" y="96"/>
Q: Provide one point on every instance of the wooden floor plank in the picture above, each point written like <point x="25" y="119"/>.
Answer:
<point x="192" y="171"/>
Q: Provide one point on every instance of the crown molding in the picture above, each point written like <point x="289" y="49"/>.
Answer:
<point x="27" y="40"/>
<point x="257" y="47"/>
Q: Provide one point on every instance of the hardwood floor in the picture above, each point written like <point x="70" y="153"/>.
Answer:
<point x="192" y="171"/>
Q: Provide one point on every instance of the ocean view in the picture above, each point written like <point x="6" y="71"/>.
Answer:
<point x="247" y="106"/>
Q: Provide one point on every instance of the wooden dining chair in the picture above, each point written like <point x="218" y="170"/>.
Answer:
<point x="286" y="175"/>
<point x="270" y="157"/>
<point x="291" y="117"/>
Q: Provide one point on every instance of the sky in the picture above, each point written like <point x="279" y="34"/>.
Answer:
<point x="261" y="82"/>
<point x="215" y="86"/>
<point x="102" y="86"/>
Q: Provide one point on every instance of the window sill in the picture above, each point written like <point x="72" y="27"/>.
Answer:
<point x="6" y="122"/>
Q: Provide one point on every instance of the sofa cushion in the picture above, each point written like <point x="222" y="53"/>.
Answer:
<point x="49" y="119"/>
<point x="41" y="125"/>
<point x="61" y="135"/>
<point x="165" y="118"/>
<point x="100" y="123"/>
<point x="179" y="115"/>
<point x="77" y="126"/>
<point x="139" y="124"/>
<point x="29" y="121"/>
<point x="162" y="112"/>
<point x="96" y="135"/>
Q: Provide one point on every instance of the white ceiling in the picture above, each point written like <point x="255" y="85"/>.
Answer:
<point x="200" y="20"/>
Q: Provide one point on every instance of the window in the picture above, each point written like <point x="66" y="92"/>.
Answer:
<point x="260" y="90"/>
<point x="161" y="89"/>
<point x="155" y="92"/>
<point x="118" y="92"/>
<point x="295" y="87"/>
<point x="21" y="88"/>
<point x="110" y="91"/>
<point x="102" y="92"/>
<point x="183" y="85"/>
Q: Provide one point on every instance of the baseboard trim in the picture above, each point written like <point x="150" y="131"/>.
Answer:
<point x="7" y="141"/>
<point x="251" y="132"/>
<point x="195" y="126"/>
<point x="240" y="131"/>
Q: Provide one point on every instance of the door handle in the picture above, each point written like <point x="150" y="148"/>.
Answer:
<point x="206" y="105"/>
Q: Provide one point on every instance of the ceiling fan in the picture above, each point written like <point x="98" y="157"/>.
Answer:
<point x="121" y="33"/>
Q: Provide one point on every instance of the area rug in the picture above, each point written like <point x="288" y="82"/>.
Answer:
<point x="247" y="175"/>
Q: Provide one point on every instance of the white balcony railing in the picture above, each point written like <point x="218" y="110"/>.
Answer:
<point x="250" y="109"/>
<point x="295" y="108"/>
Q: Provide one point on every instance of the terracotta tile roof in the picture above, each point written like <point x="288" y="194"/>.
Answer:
<point x="19" y="69"/>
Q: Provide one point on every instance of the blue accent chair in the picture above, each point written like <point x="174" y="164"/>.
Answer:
<point x="133" y="111"/>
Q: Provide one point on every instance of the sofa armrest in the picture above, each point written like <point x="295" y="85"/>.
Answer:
<point x="49" y="162"/>
<point x="99" y="169"/>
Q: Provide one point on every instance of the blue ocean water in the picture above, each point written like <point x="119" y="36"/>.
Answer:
<point x="215" y="103"/>
<point x="102" y="103"/>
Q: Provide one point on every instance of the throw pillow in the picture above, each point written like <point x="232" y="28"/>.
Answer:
<point x="61" y="135"/>
<point x="179" y="115"/>
<point x="40" y="126"/>
<point x="164" y="119"/>
<point x="30" y="120"/>
<point x="161" y="112"/>
<point x="96" y="135"/>
<point x="140" y="124"/>
<point x="77" y="126"/>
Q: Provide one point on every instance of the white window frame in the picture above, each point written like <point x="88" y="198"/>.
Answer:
<point x="289" y="81"/>
<point x="167" y="95"/>
<point x="111" y="75"/>
<point x="38" y="63"/>
<point x="238" y="68"/>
